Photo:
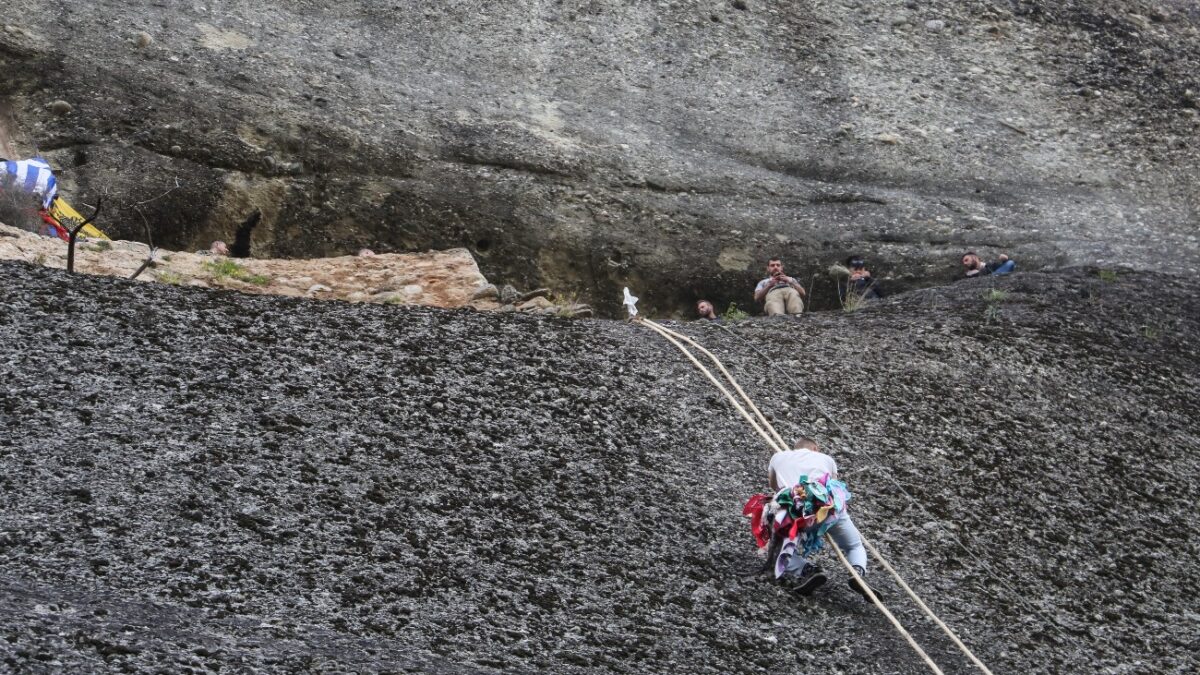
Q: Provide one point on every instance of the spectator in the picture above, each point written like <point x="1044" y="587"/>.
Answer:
<point x="779" y="293"/>
<point x="217" y="248"/>
<point x="704" y="310"/>
<point x="975" y="267"/>
<point x="860" y="286"/>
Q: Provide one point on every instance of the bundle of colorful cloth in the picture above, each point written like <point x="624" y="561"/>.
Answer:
<point x="797" y="517"/>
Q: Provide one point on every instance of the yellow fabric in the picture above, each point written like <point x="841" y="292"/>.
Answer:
<point x="63" y="213"/>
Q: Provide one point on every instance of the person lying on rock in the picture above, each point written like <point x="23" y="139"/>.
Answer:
<point x="808" y="503"/>
<point x="860" y="284"/>
<point x="217" y="248"/>
<point x="975" y="267"/>
<point x="779" y="293"/>
<point x="704" y="310"/>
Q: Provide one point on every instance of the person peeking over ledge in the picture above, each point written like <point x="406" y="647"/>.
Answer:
<point x="217" y="248"/>
<point x="975" y="267"/>
<point x="704" y="310"/>
<point x="779" y="293"/>
<point x="860" y="283"/>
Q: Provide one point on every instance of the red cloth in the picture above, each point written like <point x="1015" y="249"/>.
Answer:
<point x="53" y="228"/>
<point x="754" y="509"/>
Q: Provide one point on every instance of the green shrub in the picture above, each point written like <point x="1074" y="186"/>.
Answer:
<point x="222" y="269"/>
<point x="1107" y="276"/>
<point x="732" y="313"/>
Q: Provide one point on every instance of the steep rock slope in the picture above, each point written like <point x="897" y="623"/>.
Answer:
<point x="582" y="144"/>
<point x="213" y="480"/>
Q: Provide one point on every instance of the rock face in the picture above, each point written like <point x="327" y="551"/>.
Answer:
<point x="194" y="480"/>
<point x="671" y="146"/>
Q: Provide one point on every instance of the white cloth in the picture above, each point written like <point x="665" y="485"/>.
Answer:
<point x="630" y="303"/>
<point x="33" y="175"/>
<point x="790" y="465"/>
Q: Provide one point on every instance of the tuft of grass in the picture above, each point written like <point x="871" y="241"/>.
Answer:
<point x="992" y="313"/>
<point x="168" y="277"/>
<point x="564" y="305"/>
<point x="854" y="299"/>
<point x="256" y="279"/>
<point x="993" y="297"/>
<point x="100" y="246"/>
<point x="1151" y="332"/>
<point x="732" y="313"/>
<point x="228" y="269"/>
<point x="1107" y="276"/>
<point x="223" y="268"/>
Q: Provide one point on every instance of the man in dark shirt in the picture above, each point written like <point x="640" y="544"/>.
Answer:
<point x="976" y="267"/>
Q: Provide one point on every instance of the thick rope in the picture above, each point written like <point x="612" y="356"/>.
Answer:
<point x="750" y="403"/>
<point x="923" y="606"/>
<point x="671" y="337"/>
<point x="875" y="599"/>
<point x="661" y="331"/>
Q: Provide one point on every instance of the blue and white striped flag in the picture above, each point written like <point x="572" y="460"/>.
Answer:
<point x="34" y="176"/>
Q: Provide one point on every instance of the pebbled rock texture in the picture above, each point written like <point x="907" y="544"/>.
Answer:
<point x="584" y="145"/>
<point x="195" y="480"/>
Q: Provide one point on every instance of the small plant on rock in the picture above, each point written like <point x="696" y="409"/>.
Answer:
<point x="222" y="269"/>
<point x="564" y="305"/>
<point x="732" y="313"/>
<point x="1107" y="276"/>
<point x="100" y="246"/>
<point x="995" y="295"/>
<point x="168" y="277"/>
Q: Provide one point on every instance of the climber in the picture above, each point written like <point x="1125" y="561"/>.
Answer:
<point x="704" y="310"/>
<point x="975" y="267"/>
<point x="779" y="293"/>
<point x="808" y="502"/>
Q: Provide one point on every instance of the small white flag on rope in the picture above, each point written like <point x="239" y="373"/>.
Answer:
<point x="630" y="303"/>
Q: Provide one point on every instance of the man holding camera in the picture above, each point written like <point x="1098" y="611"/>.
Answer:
<point x="860" y="286"/>
<point x="779" y="293"/>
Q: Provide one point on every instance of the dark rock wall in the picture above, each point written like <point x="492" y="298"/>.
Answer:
<point x="213" y="481"/>
<point x="673" y="145"/>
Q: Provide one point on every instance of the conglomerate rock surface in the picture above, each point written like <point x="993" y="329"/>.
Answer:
<point x="582" y="144"/>
<point x="194" y="480"/>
